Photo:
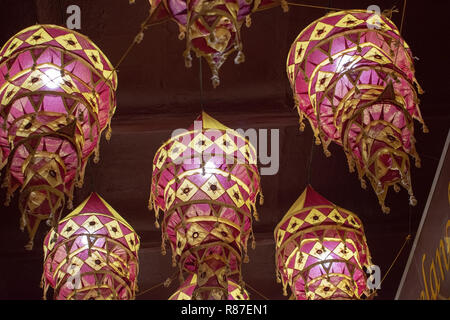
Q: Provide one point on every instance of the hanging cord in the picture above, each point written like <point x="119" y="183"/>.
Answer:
<point x="256" y="291"/>
<point x="407" y="239"/>
<point x="403" y="16"/>
<point x="150" y="289"/>
<point x="312" y="6"/>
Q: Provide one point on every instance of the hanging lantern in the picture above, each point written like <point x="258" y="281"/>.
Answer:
<point x="206" y="182"/>
<point x="57" y="95"/>
<point x="321" y="251"/>
<point x="212" y="29"/>
<point x="187" y="289"/>
<point x="92" y="254"/>
<point x="352" y="76"/>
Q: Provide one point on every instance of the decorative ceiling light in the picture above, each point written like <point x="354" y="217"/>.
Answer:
<point x="187" y="289"/>
<point x="92" y="254"/>
<point x="212" y="29"/>
<point x="206" y="182"/>
<point x="57" y="95"/>
<point x="321" y="251"/>
<point x="352" y="76"/>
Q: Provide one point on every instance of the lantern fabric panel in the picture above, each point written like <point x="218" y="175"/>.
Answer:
<point x="92" y="254"/>
<point x="321" y="251"/>
<point x="206" y="182"/>
<point x="57" y="93"/>
<point x="352" y="76"/>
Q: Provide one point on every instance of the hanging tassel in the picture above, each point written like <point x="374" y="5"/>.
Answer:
<point x="97" y="153"/>
<point x="317" y="141"/>
<point x="425" y="128"/>
<point x="108" y="132"/>
<point x="22" y="222"/>
<point x="181" y="35"/>
<point x="187" y="59"/>
<point x="168" y="282"/>
<point x="285" y="290"/>
<point x="253" y="243"/>
<point x="29" y="245"/>
<point x="215" y="81"/>
<point x="284" y="6"/>
<point x="246" y="258"/>
<point x="363" y="184"/>
<point x="396" y="188"/>
<point x="412" y="200"/>
<point x="261" y="198"/>
<point x="240" y="58"/>
<point x="150" y="203"/>
<point x="248" y="21"/>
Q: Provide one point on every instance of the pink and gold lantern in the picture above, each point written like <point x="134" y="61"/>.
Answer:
<point x="57" y="95"/>
<point x="321" y="251"/>
<point x="352" y="75"/>
<point x="91" y="255"/>
<point x="212" y="29"/>
<point x="206" y="182"/>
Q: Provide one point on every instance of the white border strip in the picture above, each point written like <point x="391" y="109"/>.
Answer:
<point x="424" y="215"/>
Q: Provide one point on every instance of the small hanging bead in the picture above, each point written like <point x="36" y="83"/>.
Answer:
<point x="248" y="21"/>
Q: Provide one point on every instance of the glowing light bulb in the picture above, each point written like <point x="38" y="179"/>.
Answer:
<point x="53" y="78"/>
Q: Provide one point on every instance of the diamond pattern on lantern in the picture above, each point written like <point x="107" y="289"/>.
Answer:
<point x="236" y="196"/>
<point x="245" y="150"/>
<point x="92" y="224"/>
<point x="353" y="221"/>
<point x="176" y="150"/>
<point x="336" y="216"/>
<point x="170" y="197"/>
<point x="377" y="56"/>
<point x="342" y="251"/>
<point x="326" y="289"/>
<point x="95" y="261"/>
<point x="114" y="229"/>
<point x="10" y="93"/>
<point x="226" y="144"/>
<point x="181" y="243"/>
<point x="349" y="21"/>
<point x="319" y="251"/>
<point x="196" y="234"/>
<point x="222" y="232"/>
<point x="320" y="31"/>
<point x="12" y="46"/>
<point x="346" y="287"/>
<point x="300" y="259"/>
<point x="213" y="188"/>
<point x="300" y="50"/>
<point x="131" y="241"/>
<point x="294" y="224"/>
<point x="95" y="58"/>
<point x="186" y="190"/>
<point x="35" y="81"/>
<point x="200" y="143"/>
<point x="69" y="41"/>
<point x="280" y="236"/>
<point x="67" y="84"/>
<point x="315" y="217"/>
<point x="69" y="229"/>
<point x="39" y="37"/>
<point x="161" y="159"/>
<point x="323" y="80"/>
<point x="51" y="173"/>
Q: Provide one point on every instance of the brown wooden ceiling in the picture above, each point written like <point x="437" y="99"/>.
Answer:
<point x="157" y="95"/>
